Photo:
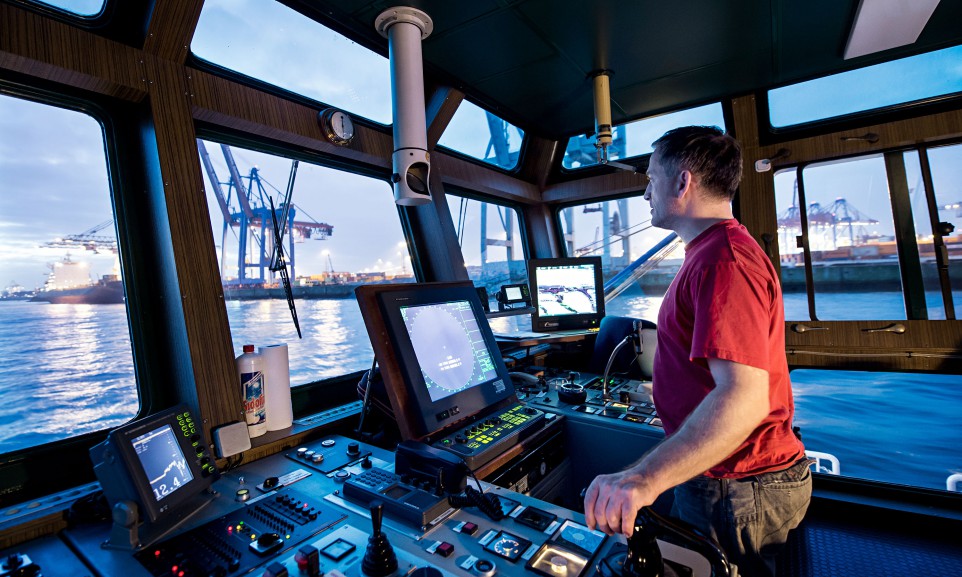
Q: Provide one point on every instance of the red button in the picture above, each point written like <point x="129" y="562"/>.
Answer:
<point x="445" y="549"/>
<point x="469" y="529"/>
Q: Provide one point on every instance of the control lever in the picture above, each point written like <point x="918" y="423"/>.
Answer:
<point x="379" y="558"/>
<point x="644" y="557"/>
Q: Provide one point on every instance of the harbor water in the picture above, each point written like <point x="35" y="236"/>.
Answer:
<point x="70" y="373"/>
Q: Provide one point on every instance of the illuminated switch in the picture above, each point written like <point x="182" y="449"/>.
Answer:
<point x="444" y="549"/>
<point x="308" y="560"/>
<point x="469" y="529"/>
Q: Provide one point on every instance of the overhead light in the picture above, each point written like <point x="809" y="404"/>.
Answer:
<point x="884" y="24"/>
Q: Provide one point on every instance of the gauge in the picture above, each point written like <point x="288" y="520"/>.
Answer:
<point x="337" y="126"/>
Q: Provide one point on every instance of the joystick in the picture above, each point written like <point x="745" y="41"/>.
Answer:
<point x="644" y="558"/>
<point x="379" y="559"/>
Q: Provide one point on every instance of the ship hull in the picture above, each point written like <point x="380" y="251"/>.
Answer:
<point x="109" y="293"/>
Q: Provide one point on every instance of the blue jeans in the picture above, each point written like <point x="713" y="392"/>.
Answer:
<point x="751" y="517"/>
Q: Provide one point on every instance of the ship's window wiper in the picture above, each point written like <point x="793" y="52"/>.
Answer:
<point x="278" y="262"/>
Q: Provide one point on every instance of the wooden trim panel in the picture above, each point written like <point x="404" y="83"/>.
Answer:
<point x="54" y="51"/>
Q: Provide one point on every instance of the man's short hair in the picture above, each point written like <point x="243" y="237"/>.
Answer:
<point x="705" y="151"/>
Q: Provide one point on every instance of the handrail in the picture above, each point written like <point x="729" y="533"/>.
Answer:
<point x="618" y="283"/>
<point x="954" y="482"/>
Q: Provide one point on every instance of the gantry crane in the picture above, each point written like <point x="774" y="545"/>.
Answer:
<point x="255" y="217"/>
<point x="88" y="240"/>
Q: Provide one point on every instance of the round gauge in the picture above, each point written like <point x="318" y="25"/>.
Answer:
<point x="337" y="125"/>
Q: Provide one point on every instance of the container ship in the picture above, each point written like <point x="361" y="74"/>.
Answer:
<point x="69" y="282"/>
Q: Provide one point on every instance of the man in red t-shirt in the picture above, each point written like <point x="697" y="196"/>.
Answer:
<point x="720" y="382"/>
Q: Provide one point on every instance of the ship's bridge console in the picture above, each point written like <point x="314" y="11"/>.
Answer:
<point x="337" y="506"/>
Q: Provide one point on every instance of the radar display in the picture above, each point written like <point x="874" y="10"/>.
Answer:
<point x="162" y="460"/>
<point x="449" y="347"/>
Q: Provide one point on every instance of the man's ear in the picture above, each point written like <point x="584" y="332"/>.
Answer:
<point x="683" y="183"/>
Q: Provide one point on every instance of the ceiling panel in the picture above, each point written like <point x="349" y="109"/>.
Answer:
<point x="529" y="60"/>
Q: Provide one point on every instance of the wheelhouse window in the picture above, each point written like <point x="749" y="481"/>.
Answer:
<point x="911" y="80"/>
<point x="277" y="45"/>
<point x="480" y="134"/>
<point x="330" y="248"/>
<point x="883" y="440"/>
<point x="635" y="138"/>
<point x="491" y="243"/>
<point x="620" y="232"/>
<point x="86" y="8"/>
<point x="68" y="366"/>
<point x="848" y="213"/>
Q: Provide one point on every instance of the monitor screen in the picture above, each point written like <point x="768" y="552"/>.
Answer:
<point x="159" y="462"/>
<point x="513" y="293"/>
<point x="163" y="461"/>
<point x="448" y="347"/>
<point x="568" y="293"/>
<point x="437" y="356"/>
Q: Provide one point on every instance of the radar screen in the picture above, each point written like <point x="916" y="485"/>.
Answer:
<point x="449" y="347"/>
<point x="163" y="461"/>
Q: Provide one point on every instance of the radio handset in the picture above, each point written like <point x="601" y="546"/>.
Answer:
<point x="445" y="471"/>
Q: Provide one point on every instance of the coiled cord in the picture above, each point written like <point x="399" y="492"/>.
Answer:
<point x="488" y="504"/>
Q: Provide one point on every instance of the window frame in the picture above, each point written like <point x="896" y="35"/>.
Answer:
<point x="304" y="396"/>
<point x="522" y="150"/>
<point x="452" y="190"/>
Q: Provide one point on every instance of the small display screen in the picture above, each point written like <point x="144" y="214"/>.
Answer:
<point x="566" y="290"/>
<point x="449" y="347"/>
<point x="163" y="461"/>
<point x="513" y="293"/>
<point x="579" y="537"/>
<point x="338" y="549"/>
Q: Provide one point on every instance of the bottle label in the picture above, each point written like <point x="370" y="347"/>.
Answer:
<point x="255" y="403"/>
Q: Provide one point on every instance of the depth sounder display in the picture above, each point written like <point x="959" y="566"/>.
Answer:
<point x="449" y="347"/>
<point x="162" y="460"/>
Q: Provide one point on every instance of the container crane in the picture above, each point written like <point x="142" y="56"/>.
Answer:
<point x="255" y="217"/>
<point x="88" y="240"/>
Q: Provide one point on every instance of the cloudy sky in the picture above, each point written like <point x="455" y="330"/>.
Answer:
<point x="54" y="175"/>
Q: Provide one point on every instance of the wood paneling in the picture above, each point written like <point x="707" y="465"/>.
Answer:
<point x="171" y="29"/>
<point x="44" y="48"/>
<point x="898" y="134"/>
<point x="471" y="176"/>
<point x="539" y="159"/>
<point x="756" y="196"/>
<point x="226" y="103"/>
<point x="441" y="106"/>
<point x="618" y="182"/>
<point x="214" y="381"/>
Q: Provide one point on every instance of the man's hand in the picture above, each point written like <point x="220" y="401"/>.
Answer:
<point x="612" y="501"/>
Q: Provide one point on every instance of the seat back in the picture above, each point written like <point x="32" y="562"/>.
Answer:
<point x="611" y="332"/>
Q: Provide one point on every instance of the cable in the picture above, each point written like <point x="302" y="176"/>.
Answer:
<point x="366" y="404"/>
<point x="487" y="503"/>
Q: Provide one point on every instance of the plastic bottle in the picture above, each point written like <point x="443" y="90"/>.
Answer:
<point x="250" y="365"/>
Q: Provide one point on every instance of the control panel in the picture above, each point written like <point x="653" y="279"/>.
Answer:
<point x="487" y="438"/>
<point x="630" y="401"/>
<point x="294" y="514"/>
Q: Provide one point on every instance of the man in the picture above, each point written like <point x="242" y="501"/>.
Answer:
<point x="720" y="380"/>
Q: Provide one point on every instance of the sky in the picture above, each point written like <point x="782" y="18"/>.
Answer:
<point x="53" y="172"/>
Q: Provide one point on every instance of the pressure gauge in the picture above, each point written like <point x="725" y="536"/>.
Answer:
<point x="337" y="126"/>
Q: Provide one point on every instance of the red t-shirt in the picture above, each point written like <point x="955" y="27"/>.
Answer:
<point x="726" y="303"/>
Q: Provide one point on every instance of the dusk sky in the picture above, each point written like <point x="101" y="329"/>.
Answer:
<point x="54" y="173"/>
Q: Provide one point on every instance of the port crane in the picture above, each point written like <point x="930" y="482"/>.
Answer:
<point x="88" y="240"/>
<point x="829" y="219"/>
<point x="255" y="219"/>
